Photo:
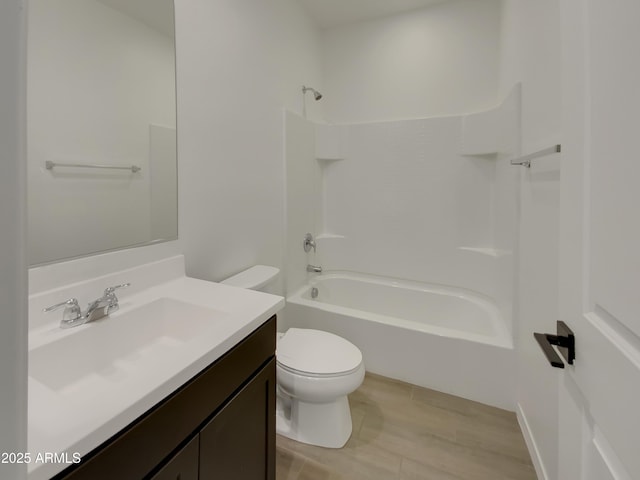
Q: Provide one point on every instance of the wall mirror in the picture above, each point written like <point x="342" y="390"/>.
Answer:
<point x="101" y="126"/>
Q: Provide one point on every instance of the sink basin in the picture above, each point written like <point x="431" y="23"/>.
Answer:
<point x="116" y="347"/>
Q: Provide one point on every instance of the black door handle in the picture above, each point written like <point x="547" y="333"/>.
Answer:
<point x="564" y="340"/>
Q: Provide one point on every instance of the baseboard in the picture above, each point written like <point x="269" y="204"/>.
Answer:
<point x="541" y="472"/>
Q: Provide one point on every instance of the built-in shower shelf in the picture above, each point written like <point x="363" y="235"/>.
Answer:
<point x="490" y="252"/>
<point x="481" y="156"/>
<point x="329" y="236"/>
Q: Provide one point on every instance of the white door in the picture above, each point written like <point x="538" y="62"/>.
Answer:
<point x="599" y="396"/>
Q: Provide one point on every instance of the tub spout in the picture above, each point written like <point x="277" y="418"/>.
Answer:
<point x="314" y="269"/>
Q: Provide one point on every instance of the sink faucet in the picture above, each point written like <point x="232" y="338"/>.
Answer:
<point x="104" y="305"/>
<point x="314" y="269"/>
<point x="101" y="307"/>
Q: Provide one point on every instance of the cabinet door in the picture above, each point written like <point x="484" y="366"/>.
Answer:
<point x="183" y="465"/>
<point x="239" y="442"/>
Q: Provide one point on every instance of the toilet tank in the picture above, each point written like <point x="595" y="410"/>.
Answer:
<point x="258" y="277"/>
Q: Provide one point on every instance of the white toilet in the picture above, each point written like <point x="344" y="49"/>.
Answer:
<point x="316" y="371"/>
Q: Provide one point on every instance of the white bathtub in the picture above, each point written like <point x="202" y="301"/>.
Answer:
<point x="443" y="338"/>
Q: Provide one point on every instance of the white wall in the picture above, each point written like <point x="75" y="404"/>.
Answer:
<point x="13" y="285"/>
<point x="439" y="60"/>
<point x="97" y="79"/>
<point x="531" y="54"/>
<point x="239" y="64"/>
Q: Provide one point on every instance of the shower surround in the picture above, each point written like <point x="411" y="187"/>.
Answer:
<point x="425" y="201"/>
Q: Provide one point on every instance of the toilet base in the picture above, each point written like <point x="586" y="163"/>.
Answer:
<point x="322" y="424"/>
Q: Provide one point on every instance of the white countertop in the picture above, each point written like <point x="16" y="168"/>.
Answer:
<point x="74" y="415"/>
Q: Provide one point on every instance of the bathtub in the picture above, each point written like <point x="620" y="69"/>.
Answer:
<point x="443" y="338"/>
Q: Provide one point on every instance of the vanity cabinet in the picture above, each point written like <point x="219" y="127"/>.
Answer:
<point x="219" y="425"/>
<point x="235" y="443"/>
<point x="183" y="465"/>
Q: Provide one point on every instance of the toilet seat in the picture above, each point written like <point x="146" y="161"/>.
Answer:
<point x="300" y="373"/>
<point x="316" y="353"/>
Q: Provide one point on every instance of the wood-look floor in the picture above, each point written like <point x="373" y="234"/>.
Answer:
<point x="402" y="432"/>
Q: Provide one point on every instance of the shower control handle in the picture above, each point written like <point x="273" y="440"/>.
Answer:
<point x="308" y="243"/>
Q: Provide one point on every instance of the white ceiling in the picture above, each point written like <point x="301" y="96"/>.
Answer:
<point x="154" y="13"/>
<point x="331" y="13"/>
<point x="327" y="13"/>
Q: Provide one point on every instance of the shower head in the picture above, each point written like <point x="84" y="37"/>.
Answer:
<point x="316" y="94"/>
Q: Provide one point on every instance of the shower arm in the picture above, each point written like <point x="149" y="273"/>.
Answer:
<point x="316" y="94"/>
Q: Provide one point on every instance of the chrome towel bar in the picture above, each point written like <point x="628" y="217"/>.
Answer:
<point x="525" y="161"/>
<point x="50" y="165"/>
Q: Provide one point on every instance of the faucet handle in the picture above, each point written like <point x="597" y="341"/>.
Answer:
<point x="308" y="243"/>
<point x="113" y="300"/>
<point x="110" y="290"/>
<point x="71" y="312"/>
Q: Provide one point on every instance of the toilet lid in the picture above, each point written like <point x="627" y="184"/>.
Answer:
<point x="317" y="352"/>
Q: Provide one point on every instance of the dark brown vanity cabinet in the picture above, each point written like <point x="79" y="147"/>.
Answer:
<point x="235" y="443"/>
<point x="183" y="465"/>
<point x="220" y="425"/>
